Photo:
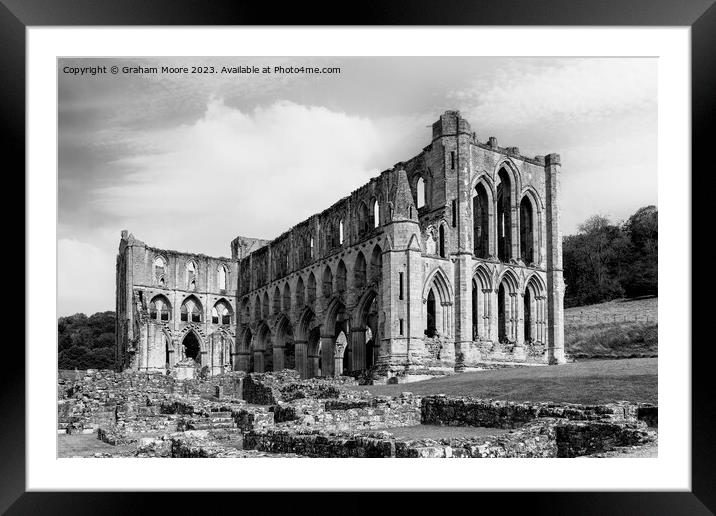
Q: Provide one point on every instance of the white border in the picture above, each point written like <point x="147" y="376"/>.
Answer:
<point x="670" y="471"/>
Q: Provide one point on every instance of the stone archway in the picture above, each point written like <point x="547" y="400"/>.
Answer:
<point x="191" y="347"/>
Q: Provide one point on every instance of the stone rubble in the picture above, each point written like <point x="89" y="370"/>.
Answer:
<point x="278" y="414"/>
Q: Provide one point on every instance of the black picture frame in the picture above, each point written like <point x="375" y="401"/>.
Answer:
<point x="17" y="15"/>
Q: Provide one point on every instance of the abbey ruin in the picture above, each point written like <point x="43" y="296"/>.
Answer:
<point x="448" y="261"/>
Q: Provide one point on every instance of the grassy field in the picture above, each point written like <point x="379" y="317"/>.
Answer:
<point x="594" y="381"/>
<point x="623" y="328"/>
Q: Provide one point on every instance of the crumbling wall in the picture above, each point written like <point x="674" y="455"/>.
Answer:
<point x="467" y="411"/>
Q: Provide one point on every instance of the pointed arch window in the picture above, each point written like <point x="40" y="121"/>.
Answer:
<point x="191" y="275"/>
<point x="221" y="313"/>
<point x="159" y="309"/>
<point x="222" y="277"/>
<point x="191" y="310"/>
<point x="340" y="232"/>
<point x="159" y="271"/>
<point x="421" y="192"/>
<point x="376" y="214"/>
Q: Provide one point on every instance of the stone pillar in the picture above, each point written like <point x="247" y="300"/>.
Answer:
<point x="327" y="355"/>
<point x="555" y="281"/>
<point x="278" y="356"/>
<point x="258" y="361"/>
<point x="493" y="316"/>
<point x="312" y="366"/>
<point x="301" y="350"/>
<point x="357" y="349"/>
<point x="514" y="226"/>
<point x="463" y="308"/>
<point x="519" y="300"/>
<point x="241" y="361"/>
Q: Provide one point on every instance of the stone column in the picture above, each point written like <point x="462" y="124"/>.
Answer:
<point x="258" y="361"/>
<point x="519" y="301"/>
<point x="358" y="349"/>
<point x="312" y="366"/>
<point x="301" y="350"/>
<point x="493" y="316"/>
<point x="555" y="281"/>
<point x="278" y="356"/>
<point x="327" y="355"/>
<point x="242" y="360"/>
<point x="514" y="227"/>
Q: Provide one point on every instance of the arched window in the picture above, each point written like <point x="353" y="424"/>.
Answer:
<point x="340" y="232"/>
<point x="191" y="275"/>
<point x="221" y="313"/>
<point x="363" y="219"/>
<point x="481" y="222"/>
<point x="327" y="286"/>
<point x="431" y="329"/>
<point x="222" y="277"/>
<point x="527" y="235"/>
<point x="376" y="214"/>
<point x="159" y="271"/>
<point x="341" y="274"/>
<point x="191" y="310"/>
<point x="311" y="288"/>
<point x="504" y="216"/>
<point x="312" y="255"/>
<point x="159" y="309"/>
<point x="421" y="192"/>
<point x="441" y="243"/>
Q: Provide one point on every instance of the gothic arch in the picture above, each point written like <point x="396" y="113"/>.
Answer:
<point x="327" y="282"/>
<point x="513" y="173"/>
<point x="191" y="310"/>
<point x="222" y="311"/>
<point x="481" y="302"/>
<point x="530" y="207"/>
<point x="360" y="311"/>
<point x="439" y="279"/>
<point x="376" y="265"/>
<point x="341" y="277"/>
<point x="437" y="304"/>
<point x="303" y="325"/>
<point x="359" y="271"/>
<point x="265" y="306"/>
<point x="300" y="293"/>
<point x="511" y="280"/>
<point x="276" y="308"/>
<point x="160" y="309"/>
<point x="331" y="313"/>
<point x="483" y="216"/>
<point x="311" y="289"/>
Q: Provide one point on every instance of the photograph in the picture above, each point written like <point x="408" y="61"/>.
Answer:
<point x="357" y="257"/>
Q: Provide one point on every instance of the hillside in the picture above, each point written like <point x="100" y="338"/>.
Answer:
<point x="622" y="328"/>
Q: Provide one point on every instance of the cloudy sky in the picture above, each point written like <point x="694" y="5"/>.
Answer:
<point x="188" y="162"/>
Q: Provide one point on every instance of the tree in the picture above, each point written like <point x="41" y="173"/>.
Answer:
<point x="604" y="261"/>
<point x="86" y="342"/>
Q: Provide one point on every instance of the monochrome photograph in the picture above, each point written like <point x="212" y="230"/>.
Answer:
<point x="357" y="257"/>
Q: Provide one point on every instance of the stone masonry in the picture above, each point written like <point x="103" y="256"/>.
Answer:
<point x="449" y="260"/>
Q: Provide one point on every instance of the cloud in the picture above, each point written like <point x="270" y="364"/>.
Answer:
<point x="85" y="278"/>
<point x="257" y="173"/>
<point x="573" y="90"/>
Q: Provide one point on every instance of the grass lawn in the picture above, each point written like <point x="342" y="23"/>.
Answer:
<point x="438" y="432"/>
<point x="593" y="381"/>
<point x="86" y="445"/>
<point x="623" y="328"/>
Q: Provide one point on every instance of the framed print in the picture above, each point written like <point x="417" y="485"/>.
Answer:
<point x="429" y="234"/>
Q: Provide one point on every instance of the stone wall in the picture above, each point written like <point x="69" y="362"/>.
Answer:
<point x="96" y="398"/>
<point x="286" y="385"/>
<point x="467" y="411"/>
